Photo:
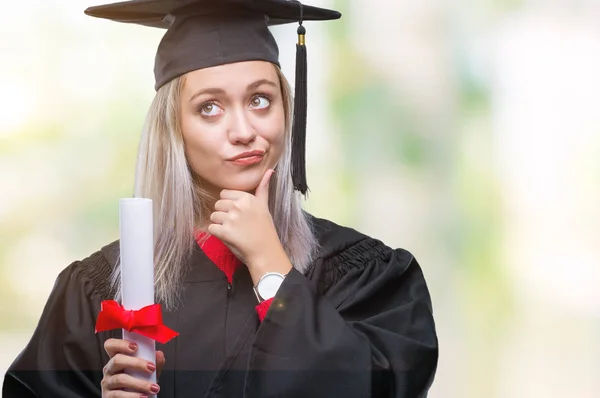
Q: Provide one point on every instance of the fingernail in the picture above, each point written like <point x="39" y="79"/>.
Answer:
<point x="151" y="367"/>
<point x="155" y="388"/>
<point x="143" y="396"/>
<point x="132" y="346"/>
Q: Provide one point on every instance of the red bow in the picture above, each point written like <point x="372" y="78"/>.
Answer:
<point x="146" y="321"/>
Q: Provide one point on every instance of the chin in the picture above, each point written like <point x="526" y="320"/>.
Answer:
<point x="246" y="182"/>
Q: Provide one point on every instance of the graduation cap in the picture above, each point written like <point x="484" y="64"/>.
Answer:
<point x="205" y="33"/>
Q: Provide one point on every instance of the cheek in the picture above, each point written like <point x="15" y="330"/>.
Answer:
<point x="274" y="133"/>
<point x="199" y="147"/>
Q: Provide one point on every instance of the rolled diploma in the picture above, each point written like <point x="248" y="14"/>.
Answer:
<point x="137" y="271"/>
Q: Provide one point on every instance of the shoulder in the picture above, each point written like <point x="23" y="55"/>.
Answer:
<point x="338" y="243"/>
<point x="94" y="270"/>
<point x="344" y="250"/>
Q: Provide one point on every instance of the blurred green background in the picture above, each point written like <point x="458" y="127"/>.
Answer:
<point x="465" y="132"/>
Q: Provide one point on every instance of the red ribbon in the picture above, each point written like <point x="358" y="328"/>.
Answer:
<point x="146" y="321"/>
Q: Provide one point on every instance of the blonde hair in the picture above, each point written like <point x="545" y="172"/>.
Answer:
<point x="164" y="175"/>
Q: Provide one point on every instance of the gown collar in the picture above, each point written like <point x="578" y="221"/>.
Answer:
<point x="219" y="254"/>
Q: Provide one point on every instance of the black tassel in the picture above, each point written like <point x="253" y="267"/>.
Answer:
<point x="299" y="122"/>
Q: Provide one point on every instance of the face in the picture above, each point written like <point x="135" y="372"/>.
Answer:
<point x="233" y="124"/>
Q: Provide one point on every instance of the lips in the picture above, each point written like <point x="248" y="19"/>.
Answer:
<point x="248" y="155"/>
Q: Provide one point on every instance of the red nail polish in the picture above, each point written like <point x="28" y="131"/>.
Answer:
<point x="151" y="367"/>
<point x="155" y="388"/>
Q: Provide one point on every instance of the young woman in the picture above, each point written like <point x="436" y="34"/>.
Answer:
<point x="268" y="300"/>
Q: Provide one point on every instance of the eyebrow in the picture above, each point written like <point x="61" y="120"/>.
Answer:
<point x="217" y="91"/>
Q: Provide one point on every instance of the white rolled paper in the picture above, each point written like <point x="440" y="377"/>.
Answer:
<point x="137" y="270"/>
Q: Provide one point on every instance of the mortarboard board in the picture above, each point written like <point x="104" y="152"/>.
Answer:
<point x="205" y="33"/>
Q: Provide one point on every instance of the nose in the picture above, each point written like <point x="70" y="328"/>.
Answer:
<point x="241" y="130"/>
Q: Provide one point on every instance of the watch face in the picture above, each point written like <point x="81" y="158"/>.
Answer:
<point x="268" y="286"/>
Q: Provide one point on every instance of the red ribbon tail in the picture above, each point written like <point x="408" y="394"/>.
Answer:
<point x="159" y="333"/>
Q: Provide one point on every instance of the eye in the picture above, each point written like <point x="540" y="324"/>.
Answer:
<point x="210" y="109"/>
<point x="260" y="102"/>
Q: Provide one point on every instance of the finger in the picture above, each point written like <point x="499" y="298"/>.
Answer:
<point x="122" y="394"/>
<point x="232" y="194"/>
<point x="216" y="230"/>
<point x="120" y="362"/>
<point x="115" y="346"/>
<point x="224" y="205"/>
<point x="160" y="362"/>
<point x="218" y="217"/>
<point x="125" y="381"/>
<point x="262" y="191"/>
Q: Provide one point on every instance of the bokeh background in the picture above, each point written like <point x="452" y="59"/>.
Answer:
<point x="464" y="131"/>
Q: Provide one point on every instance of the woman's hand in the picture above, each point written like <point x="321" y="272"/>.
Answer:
<point x="115" y="381"/>
<point x="243" y="222"/>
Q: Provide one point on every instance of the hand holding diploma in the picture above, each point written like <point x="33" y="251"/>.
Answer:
<point x="134" y="361"/>
<point x="122" y="354"/>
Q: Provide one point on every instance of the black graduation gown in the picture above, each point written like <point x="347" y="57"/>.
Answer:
<point x="358" y="324"/>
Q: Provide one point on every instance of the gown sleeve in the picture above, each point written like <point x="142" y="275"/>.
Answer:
<point x="263" y="308"/>
<point x="64" y="357"/>
<point x="366" y="329"/>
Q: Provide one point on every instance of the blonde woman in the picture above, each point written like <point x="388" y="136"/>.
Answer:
<point x="268" y="300"/>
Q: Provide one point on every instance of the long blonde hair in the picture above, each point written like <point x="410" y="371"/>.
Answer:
<point x="164" y="175"/>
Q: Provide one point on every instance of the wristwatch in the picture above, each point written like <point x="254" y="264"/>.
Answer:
<point x="267" y="285"/>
